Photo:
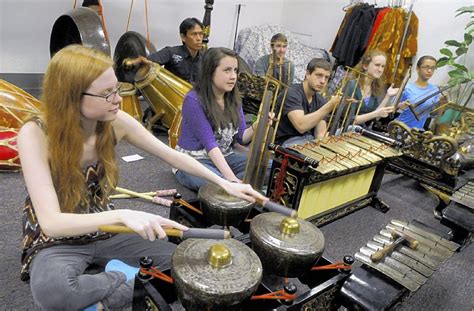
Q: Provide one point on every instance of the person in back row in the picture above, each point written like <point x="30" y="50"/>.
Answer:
<point x="425" y="68"/>
<point x="370" y="91"/>
<point x="276" y="64"/>
<point x="304" y="111"/>
<point x="183" y="60"/>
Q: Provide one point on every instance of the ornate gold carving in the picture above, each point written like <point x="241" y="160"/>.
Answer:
<point x="424" y="146"/>
<point x="251" y="86"/>
<point x="289" y="186"/>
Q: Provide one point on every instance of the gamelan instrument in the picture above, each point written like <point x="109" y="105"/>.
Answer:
<point x="16" y="105"/>
<point x="130" y="103"/>
<point x="210" y="275"/>
<point x="9" y="158"/>
<point x="416" y="251"/>
<point x="165" y="93"/>
<point x="79" y="26"/>
<point x="430" y="159"/>
<point x="380" y="124"/>
<point x="328" y="178"/>
<point x="459" y="214"/>
<point x="191" y="233"/>
<point x="344" y="113"/>
<point x="206" y="21"/>
<point x="287" y="246"/>
<point x="273" y="95"/>
<point x="162" y="90"/>
<point x="419" y="102"/>
<point x="465" y="195"/>
<point x="220" y="208"/>
<point x="399" y="259"/>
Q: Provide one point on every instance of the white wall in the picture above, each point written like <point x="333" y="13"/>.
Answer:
<point x="25" y="25"/>
<point x="317" y="22"/>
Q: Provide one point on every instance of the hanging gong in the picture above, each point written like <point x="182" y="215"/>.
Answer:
<point x="286" y="246"/>
<point x="130" y="45"/>
<point x="220" y="208"/>
<point x="215" y="275"/>
<point x="79" y="26"/>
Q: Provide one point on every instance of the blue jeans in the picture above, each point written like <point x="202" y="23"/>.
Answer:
<point x="297" y="140"/>
<point x="236" y="161"/>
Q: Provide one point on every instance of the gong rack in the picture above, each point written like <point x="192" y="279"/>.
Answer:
<point x="358" y="288"/>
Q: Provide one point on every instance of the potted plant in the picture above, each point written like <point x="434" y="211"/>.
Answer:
<point x="455" y="55"/>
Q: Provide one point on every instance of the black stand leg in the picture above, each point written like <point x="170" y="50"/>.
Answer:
<point x="438" y="211"/>
<point x="377" y="203"/>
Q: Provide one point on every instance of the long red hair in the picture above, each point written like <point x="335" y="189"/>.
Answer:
<point x="70" y="73"/>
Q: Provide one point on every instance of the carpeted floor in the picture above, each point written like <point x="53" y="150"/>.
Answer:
<point x="450" y="288"/>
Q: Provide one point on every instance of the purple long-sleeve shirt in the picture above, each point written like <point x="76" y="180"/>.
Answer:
<point x="197" y="137"/>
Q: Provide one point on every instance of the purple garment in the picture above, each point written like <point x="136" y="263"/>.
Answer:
<point x="196" y="130"/>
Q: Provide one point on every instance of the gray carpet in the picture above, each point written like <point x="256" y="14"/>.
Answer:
<point x="450" y="288"/>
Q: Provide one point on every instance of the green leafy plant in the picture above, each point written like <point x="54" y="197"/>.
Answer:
<point x="455" y="55"/>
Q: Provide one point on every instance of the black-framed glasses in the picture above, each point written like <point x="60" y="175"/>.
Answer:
<point x="108" y="97"/>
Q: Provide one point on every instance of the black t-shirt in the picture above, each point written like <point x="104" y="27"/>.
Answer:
<point x="296" y="100"/>
<point x="178" y="60"/>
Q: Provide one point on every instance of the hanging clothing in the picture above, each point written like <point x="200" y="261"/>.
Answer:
<point x="365" y="27"/>
<point x="387" y="38"/>
<point x="378" y="21"/>
<point x="351" y="44"/>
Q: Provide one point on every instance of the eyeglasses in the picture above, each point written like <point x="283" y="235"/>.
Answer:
<point x="432" y="68"/>
<point x="108" y="97"/>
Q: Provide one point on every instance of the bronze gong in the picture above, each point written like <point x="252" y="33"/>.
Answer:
<point x="130" y="45"/>
<point x="79" y="26"/>
<point x="220" y="208"/>
<point x="286" y="246"/>
<point x="215" y="275"/>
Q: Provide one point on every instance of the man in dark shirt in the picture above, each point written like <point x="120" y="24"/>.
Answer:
<point x="183" y="60"/>
<point x="304" y="110"/>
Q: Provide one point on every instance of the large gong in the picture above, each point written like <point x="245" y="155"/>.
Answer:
<point x="79" y="26"/>
<point x="130" y="45"/>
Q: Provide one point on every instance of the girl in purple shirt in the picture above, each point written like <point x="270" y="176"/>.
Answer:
<point x="213" y="120"/>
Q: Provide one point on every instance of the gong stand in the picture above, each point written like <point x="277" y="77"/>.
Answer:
<point x="154" y="289"/>
<point x="318" y="286"/>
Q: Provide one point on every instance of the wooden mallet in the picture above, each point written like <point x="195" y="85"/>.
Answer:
<point x="195" y="233"/>
<point x="387" y="249"/>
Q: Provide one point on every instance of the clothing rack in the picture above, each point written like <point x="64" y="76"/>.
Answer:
<point x="365" y="26"/>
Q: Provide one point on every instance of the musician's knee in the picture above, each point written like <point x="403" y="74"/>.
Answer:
<point x="50" y="289"/>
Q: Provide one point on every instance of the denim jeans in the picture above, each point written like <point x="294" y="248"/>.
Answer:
<point x="298" y="140"/>
<point x="57" y="278"/>
<point x="236" y="161"/>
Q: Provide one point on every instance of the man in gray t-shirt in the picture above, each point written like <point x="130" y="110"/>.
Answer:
<point x="304" y="111"/>
<point x="276" y="64"/>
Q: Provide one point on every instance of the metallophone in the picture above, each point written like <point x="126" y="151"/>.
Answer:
<point x="406" y="253"/>
<point x="459" y="214"/>
<point x="326" y="179"/>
